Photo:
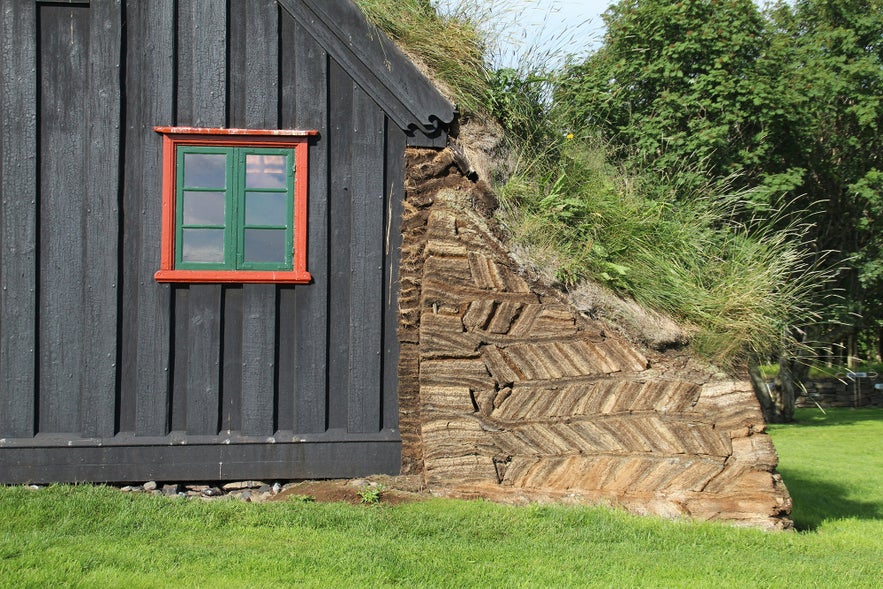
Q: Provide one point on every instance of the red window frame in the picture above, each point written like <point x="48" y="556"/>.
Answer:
<point x="195" y="136"/>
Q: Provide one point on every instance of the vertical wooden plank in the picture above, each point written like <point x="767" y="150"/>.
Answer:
<point x="64" y="66"/>
<point x="18" y="218"/>
<point x="291" y="42"/>
<point x="286" y="319"/>
<point x="147" y="320"/>
<point x="98" y="395"/>
<point x="340" y="147"/>
<point x="237" y="63"/>
<point x="201" y="85"/>
<point x="202" y="48"/>
<point x="394" y="183"/>
<point x="305" y="103"/>
<point x="258" y="358"/>
<point x="366" y="261"/>
<point x="262" y="64"/>
<point x="254" y="104"/>
<point x="231" y="407"/>
<point x="178" y="401"/>
<point x="203" y="359"/>
<point x="231" y="398"/>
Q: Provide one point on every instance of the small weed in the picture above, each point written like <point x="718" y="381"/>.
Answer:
<point x="301" y="498"/>
<point x="371" y="495"/>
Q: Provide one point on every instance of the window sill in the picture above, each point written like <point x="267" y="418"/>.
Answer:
<point x="233" y="276"/>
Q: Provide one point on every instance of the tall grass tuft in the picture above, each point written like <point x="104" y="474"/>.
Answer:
<point x="452" y="46"/>
<point x="731" y="280"/>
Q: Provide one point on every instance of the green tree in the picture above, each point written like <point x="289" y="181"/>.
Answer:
<point x="787" y="104"/>
<point x="682" y="83"/>
<point x="833" y="77"/>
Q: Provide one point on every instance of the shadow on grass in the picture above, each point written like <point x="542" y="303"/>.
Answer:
<point x="818" y="500"/>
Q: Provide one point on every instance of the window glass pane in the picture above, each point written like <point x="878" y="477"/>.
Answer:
<point x="204" y="208"/>
<point x="205" y="170"/>
<point x="265" y="171"/>
<point x="266" y="208"/>
<point x="203" y="245"/>
<point x="264" y="245"/>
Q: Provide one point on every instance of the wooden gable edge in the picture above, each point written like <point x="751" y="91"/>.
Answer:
<point x="377" y="65"/>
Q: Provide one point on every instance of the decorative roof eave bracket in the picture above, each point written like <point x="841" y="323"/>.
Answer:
<point x="375" y="63"/>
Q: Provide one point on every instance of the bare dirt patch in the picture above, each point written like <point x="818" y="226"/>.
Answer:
<point x="393" y="490"/>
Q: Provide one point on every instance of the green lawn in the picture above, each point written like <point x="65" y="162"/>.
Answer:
<point x="833" y="465"/>
<point x="98" y="537"/>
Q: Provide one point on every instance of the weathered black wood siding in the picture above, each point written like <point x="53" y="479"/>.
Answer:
<point x="107" y="375"/>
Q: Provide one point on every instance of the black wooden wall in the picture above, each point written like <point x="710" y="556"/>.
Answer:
<point x="107" y="375"/>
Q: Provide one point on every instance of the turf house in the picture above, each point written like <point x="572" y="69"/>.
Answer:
<point x="241" y="240"/>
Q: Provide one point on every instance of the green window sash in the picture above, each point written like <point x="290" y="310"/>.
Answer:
<point x="234" y="208"/>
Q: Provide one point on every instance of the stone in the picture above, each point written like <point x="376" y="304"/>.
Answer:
<point x="171" y="489"/>
<point x="238" y="485"/>
<point x="261" y="496"/>
<point x="149" y="486"/>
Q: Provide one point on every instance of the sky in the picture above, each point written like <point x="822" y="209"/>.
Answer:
<point x="544" y="27"/>
<point x="548" y="19"/>
<point x="550" y="27"/>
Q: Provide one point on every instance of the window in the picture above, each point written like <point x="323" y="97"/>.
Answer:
<point x="234" y="205"/>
